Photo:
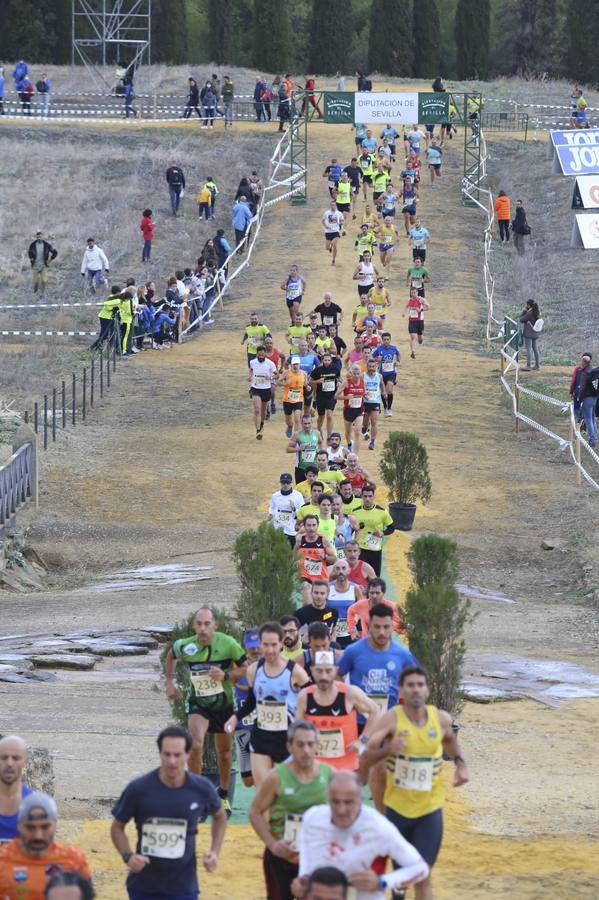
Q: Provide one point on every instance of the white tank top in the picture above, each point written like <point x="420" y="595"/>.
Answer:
<point x="366" y="274"/>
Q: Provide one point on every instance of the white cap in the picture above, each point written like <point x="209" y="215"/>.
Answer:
<point x="324" y="658"/>
<point x="295" y="360"/>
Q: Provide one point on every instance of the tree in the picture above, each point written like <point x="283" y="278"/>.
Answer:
<point x="427" y="39"/>
<point x="472" y="23"/>
<point x="331" y="30"/>
<point x="272" y="35"/>
<point x="264" y="563"/>
<point x="391" y="47"/>
<point x="169" y="31"/>
<point x="582" y="34"/>
<point x="433" y="560"/>
<point x="22" y="33"/>
<point x="220" y="15"/>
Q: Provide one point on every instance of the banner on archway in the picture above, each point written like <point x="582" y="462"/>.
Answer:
<point x="379" y="107"/>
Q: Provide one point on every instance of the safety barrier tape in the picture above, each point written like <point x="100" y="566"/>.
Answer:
<point x="34" y="306"/>
<point x="49" y="333"/>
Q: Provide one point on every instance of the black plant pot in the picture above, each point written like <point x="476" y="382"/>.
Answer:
<point x="403" y="515"/>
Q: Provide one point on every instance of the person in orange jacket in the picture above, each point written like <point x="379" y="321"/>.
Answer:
<point x="502" y="213"/>
<point x="361" y="610"/>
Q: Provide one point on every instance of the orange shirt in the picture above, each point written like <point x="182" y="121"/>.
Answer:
<point x="502" y="207"/>
<point x="294" y="383"/>
<point x="24" y="877"/>
<point x="360" y="610"/>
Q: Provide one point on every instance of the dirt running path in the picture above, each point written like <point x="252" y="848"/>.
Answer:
<point x="170" y="466"/>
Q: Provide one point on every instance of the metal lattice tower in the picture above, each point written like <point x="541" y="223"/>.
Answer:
<point x="111" y="32"/>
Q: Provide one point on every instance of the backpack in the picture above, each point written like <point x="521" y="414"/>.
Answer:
<point x="538" y="325"/>
<point x="176" y="177"/>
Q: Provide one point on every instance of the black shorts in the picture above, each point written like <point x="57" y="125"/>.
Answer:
<point x="251" y="356"/>
<point x="269" y="743"/>
<point x="344" y="207"/>
<point x="364" y="289"/>
<point x="290" y="302"/>
<point x="435" y="166"/>
<point x="217" y="717"/>
<point x="389" y="376"/>
<point x="419" y="253"/>
<point x="308" y="396"/>
<point x="331" y="235"/>
<point x="265" y="394"/>
<point x="430" y="128"/>
<point x="367" y="179"/>
<point x="425" y="833"/>
<point x="377" y="194"/>
<point x="289" y="408"/>
<point x="278" y="875"/>
<point x="350" y="415"/>
<point x="415" y="326"/>
<point x="325" y="401"/>
<point x="421" y="291"/>
<point x="372" y="407"/>
<point x="410" y="209"/>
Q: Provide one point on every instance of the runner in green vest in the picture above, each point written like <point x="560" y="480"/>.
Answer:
<point x="366" y="164"/>
<point x="290" y="789"/>
<point x="305" y="443"/>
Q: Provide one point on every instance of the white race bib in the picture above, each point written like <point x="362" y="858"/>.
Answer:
<point x="414" y="773"/>
<point x="313" y="567"/>
<point x="294" y="396"/>
<point x="308" y="456"/>
<point x="380" y="700"/>
<point x="388" y="365"/>
<point x="330" y="744"/>
<point x="355" y="402"/>
<point x="272" y="715"/>
<point x="293" y="828"/>
<point x="342" y="628"/>
<point x="249" y="720"/>
<point x="372" y="396"/>
<point x="163" y="838"/>
<point x="261" y="381"/>
<point x="328" y="320"/>
<point x="285" y="517"/>
<point x="206" y="686"/>
<point x="370" y="541"/>
<point x="328" y="384"/>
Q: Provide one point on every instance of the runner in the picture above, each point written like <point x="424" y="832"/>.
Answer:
<point x="375" y="524"/>
<point x="388" y="235"/>
<point x="391" y="134"/>
<point x="330" y="477"/>
<point x="352" y="390"/>
<point x="167" y="806"/>
<point x="262" y="376"/>
<point x="415" y="308"/>
<point x="370" y="218"/>
<point x="376" y="390"/>
<point x="292" y="642"/>
<point x="297" y="332"/>
<point x="332" y="707"/>
<point x="251" y="644"/>
<point x="388" y="202"/>
<point x="319" y="639"/>
<point x="354" y="173"/>
<point x="323" y="343"/>
<point x="325" y="379"/>
<point x="344" y="193"/>
<point x="364" y="274"/>
<point x="413" y="738"/>
<point x="360" y="572"/>
<point x="294" y="286"/>
<point x="409" y="199"/>
<point x="288" y="791"/>
<point x="388" y="357"/>
<point x="212" y="657"/>
<point x="380" y="180"/>
<point x="355" y="474"/>
<point x="308" y="362"/>
<point x="13" y="759"/>
<point x="366" y="166"/>
<point x="253" y="335"/>
<point x="305" y="443"/>
<point x="283" y="507"/>
<point x="306" y="488"/>
<point x="349" y="835"/>
<point x="365" y="241"/>
<point x="330" y="313"/>
<point x="419" y="237"/>
<point x="346" y="526"/>
<point x="358" y="615"/>
<point x="274" y="684"/>
<point x="433" y="158"/>
<point x="333" y="174"/>
<point x="368" y="141"/>
<point x="332" y="221"/>
<point x="336" y="452"/>
<point x="317" y="610"/>
<point x="294" y="383"/>
<point x="314" y="551"/>
<point x="417" y="276"/>
<point x="384" y="152"/>
<point x="371" y="316"/>
<point x="276" y="359"/>
<point x="413" y="140"/>
<point x="342" y="595"/>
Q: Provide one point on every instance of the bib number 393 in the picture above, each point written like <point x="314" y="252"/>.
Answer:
<point x="272" y="715"/>
<point x="164" y="838"/>
<point x="414" y="773"/>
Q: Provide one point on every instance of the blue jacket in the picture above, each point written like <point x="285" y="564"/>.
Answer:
<point x="260" y="86"/>
<point x="159" y="321"/>
<point x="20" y="70"/>
<point x="241" y="216"/>
<point x="145" y="319"/>
<point x="1" y="86"/>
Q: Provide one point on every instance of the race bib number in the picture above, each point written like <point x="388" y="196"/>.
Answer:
<point x="285" y="517"/>
<point x="206" y="686"/>
<point x="294" y="396"/>
<point x="164" y="838"/>
<point x="294" y="291"/>
<point x="272" y="715"/>
<point x="388" y="365"/>
<point x="313" y="567"/>
<point x="372" y="396"/>
<point x="328" y="320"/>
<point x="261" y="381"/>
<point x="294" y="340"/>
<point x="371" y="541"/>
<point x="328" y="385"/>
<point x="414" y="773"/>
<point x="342" y="628"/>
<point x="247" y="721"/>
<point x="308" y="456"/>
<point x="355" y="402"/>
<point x="293" y="828"/>
<point x="330" y="744"/>
<point x="380" y="700"/>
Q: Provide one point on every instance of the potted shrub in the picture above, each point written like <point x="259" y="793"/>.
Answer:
<point x="404" y="469"/>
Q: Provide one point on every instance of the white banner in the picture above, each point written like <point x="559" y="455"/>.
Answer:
<point x="586" y="192"/>
<point x="572" y="138"/>
<point x="585" y="231"/>
<point x="398" y="107"/>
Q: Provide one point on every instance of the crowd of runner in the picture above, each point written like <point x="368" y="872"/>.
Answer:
<point x="327" y="706"/>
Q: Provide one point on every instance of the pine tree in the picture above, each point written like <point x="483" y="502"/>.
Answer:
<point x="331" y="30"/>
<point x="272" y="35"/>
<point x="169" y="30"/>
<point x="427" y="39"/>
<point x="391" y="47"/>
<point x="472" y="22"/>
<point x="22" y="32"/>
<point x="582" y="33"/>
<point x="62" y="32"/>
<point x="220" y="14"/>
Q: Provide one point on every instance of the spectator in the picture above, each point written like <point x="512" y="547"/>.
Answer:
<point x="284" y="109"/>
<point x="208" y="98"/>
<point x="193" y="99"/>
<point x="227" y="98"/>
<point x="215" y="84"/>
<point x="246" y="190"/>
<point x="22" y="69"/>
<point x="69" y="880"/>
<point x="530" y="318"/>
<point x="94" y="264"/>
<point x="44" y="89"/>
<point x="164" y="321"/>
<point x="438" y="85"/>
<point x="40" y="253"/>
<point x="108" y="317"/>
<point x="211" y="185"/>
<point x="309" y="96"/>
<point x="256" y="184"/>
<point x="203" y="200"/>
<point x="575" y="384"/>
<point x="589" y="394"/>
<point x="209" y="253"/>
<point x="240" y="220"/>
<point x="502" y="212"/>
<point x="26" y="91"/>
<point x="147" y="228"/>
<point x="520" y="227"/>
<point x="363" y="83"/>
<point x="128" y="96"/>
<point x="340" y="81"/>
<point x="176" y="185"/>
<point x="1" y="90"/>
<point x="222" y="247"/>
<point x="258" y="103"/>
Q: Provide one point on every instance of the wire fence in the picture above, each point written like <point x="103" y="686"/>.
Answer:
<point x="550" y="416"/>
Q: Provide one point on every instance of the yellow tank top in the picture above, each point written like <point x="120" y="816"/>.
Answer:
<point x="379" y="298"/>
<point x="344" y="192"/>
<point x="414" y="785"/>
<point x="386" y="234"/>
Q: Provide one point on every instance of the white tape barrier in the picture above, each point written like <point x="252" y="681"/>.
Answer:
<point x="34" y="306"/>
<point x="49" y="333"/>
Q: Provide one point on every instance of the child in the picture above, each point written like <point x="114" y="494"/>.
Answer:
<point x="147" y="229"/>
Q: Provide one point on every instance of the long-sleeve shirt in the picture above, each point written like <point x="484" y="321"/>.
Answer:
<point x="159" y="321"/>
<point x="241" y="216"/>
<point x="94" y="259"/>
<point x="361" y="610"/>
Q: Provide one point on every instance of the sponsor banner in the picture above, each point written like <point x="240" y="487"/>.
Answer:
<point x="376" y="108"/>
<point x="585" y="231"/>
<point x="586" y="192"/>
<point x="576" y="160"/>
<point x="339" y="107"/>
<point x="574" y="137"/>
<point x="433" y="108"/>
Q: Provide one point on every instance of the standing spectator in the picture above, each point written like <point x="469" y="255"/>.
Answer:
<point x="227" y="98"/>
<point x="340" y="81"/>
<point x="128" y="95"/>
<point x="222" y="247"/>
<point x="589" y="394"/>
<point x="203" y="200"/>
<point x="1" y="90"/>
<point x="215" y="84"/>
<point x="44" y="88"/>
<point x="94" y="264"/>
<point x="211" y="185"/>
<point x="176" y="185"/>
<point x="575" y="383"/>
<point x="309" y="96"/>
<point x="26" y="92"/>
<point x="40" y="253"/>
<point x="531" y="319"/>
<point x="284" y="109"/>
<point x="193" y="99"/>
<point x="520" y="227"/>
<point x="208" y="98"/>
<point x="257" y="185"/>
<point x="240" y="220"/>
<point x="246" y="190"/>
<point x="146" y="226"/>
<point x="22" y="69"/>
<point x="502" y="212"/>
<point x="438" y="85"/>
<point x="259" y="96"/>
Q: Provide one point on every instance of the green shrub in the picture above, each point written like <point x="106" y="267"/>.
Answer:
<point x="404" y="468"/>
<point x="433" y="560"/>
<point x="266" y="570"/>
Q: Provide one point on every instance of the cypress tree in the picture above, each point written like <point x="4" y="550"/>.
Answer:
<point x="472" y="23"/>
<point x="331" y="30"/>
<point x="391" y="47"/>
<point x="22" y="33"/>
<point x="62" y="32"/>
<point x="220" y="14"/>
<point x="582" y="33"/>
<point x="169" y="30"/>
<point x="427" y="39"/>
<point x="272" y="35"/>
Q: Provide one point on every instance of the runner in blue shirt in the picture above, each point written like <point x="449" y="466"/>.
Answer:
<point x="391" y="134"/>
<point x="433" y="158"/>
<point x="333" y="173"/>
<point x="369" y="142"/>
<point x="419" y="237"/>
<point x="388" y="356"/>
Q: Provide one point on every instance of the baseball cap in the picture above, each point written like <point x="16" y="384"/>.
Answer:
<point x="251" y="639"/>
<point x="324" y="658"/>
<point x="286" y="476"/>
<point x="295" y="360"/>
<point x="37" y="800"/>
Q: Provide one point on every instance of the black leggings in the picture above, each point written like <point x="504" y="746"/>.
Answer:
<point x="504" y="229"/>
<point x="424" y="833"/>
<point x="278" y="874"/>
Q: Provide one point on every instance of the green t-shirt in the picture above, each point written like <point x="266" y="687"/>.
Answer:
<point x="417" y="274"/>
<point x="222" y="652"/>
<point x="255" y="335"/>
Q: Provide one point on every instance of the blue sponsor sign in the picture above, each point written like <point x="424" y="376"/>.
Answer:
<point x="579" y="159"/>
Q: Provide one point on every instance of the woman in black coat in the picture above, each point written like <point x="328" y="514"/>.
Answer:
<point x="193" y="99"/>
<point x="520" y="227"/>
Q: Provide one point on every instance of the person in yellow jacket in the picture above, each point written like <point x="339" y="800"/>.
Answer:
<point x="107" y="314"/>
<point x="412" y="739"/>
<point x="211" y="185"/>
<point x="204" y="200"/>
<point x="126" y="313"/>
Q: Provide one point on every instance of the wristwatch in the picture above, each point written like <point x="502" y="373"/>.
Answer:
<point x="126" y="857"/>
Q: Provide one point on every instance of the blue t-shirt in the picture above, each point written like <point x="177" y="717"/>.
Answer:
<point x="375" y="671"/>
<point x="368" y="144"/>
<point x="8" y="824"/>
<point x="419" y="238"/>
<point x="433" y="155"/>
<point x="308" y="362"/>
<point x="386" y="354"/>
<point x="152" y="804"/>
<point x="390" y="133"/>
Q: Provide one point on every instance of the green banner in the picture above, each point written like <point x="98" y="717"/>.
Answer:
<point x="338" y="107"/>
<point x="433" y="108"/>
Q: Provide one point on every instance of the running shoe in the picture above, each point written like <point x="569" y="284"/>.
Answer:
<point x="227" y="807"/>
<point x="288" y="432"/>
<point x="371" y="445"/>
<point x="413" y="355"/>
